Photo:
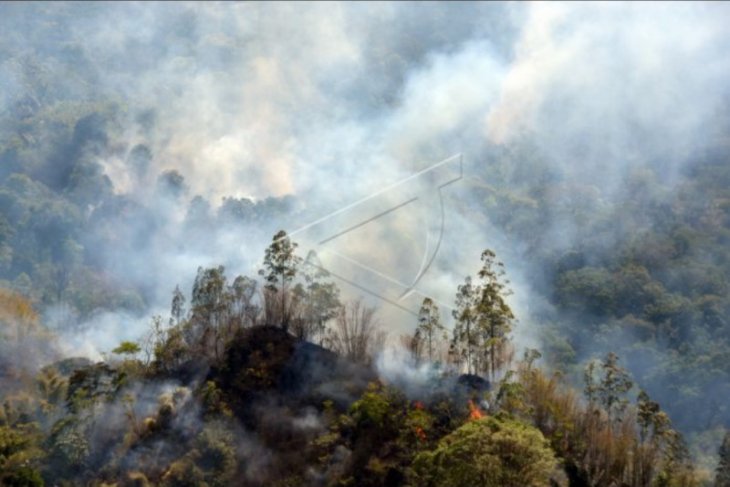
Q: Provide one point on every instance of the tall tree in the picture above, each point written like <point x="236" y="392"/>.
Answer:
<point x="319" y="300"/>
<point x="654" y="430"/>
<point x="244" y="309"/>
<point x="590" y="389"/>
<point x="484" y="319"/>
<point x="464" y="314"/>
<point x="652" y="421"/>
<point x="610" y="389"/>
<point x="615" y="384"/>
<point x="209" y="305"/>
<point x="280" y="268"/>
<point x="495" y="318"/>
<point x="429" y="325"/>
<point x="177" y="308"/>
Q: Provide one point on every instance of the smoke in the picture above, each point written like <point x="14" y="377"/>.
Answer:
<point x="101" y="333"/>
<point x="328" y="103"/>
<point x="600" y="88"/>
<point x="397" y="368"/>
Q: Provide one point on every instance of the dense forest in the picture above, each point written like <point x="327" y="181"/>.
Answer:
<point x="234" y="389"/>
<point x="160" y="324"/>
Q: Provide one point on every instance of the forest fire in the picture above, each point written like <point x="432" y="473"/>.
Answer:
<point x="420" y="434"/>
<point x="474" y="411"/>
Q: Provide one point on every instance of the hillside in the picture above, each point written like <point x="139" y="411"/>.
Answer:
<point x="349" y="244"/>
<point x="225" y="396"/>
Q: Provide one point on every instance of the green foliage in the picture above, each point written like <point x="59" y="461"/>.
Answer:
<point x="652" y="421"/>
<point x="372" y="409"/>
<point x="610" y="388"/>
<point x="127" y="348"/>
<point x="638" y="447"/>
<point x="376" y="440"/>
<point x="20" y="452"/>
<point x="171" y="350"/>
<point x="587" y="289"/>
<point x="42" y="224"/>
<point x="216" y="454"/>
<point x="643" y="272"/>
<point x="211" y="455"/>
<point x="495" y="318"/>
<point x="212" y="400"/>
<point x="219" y="310"/>
<point x="483" y="320"/>
<point x="280" y="268"/>
<point x="488" y="452"/>
<point x="614" y="385"/>
<point x="382" y="438"/>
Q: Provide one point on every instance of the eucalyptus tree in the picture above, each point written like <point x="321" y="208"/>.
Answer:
<point x="429" y="325"/>
<point x="281" y="265"/>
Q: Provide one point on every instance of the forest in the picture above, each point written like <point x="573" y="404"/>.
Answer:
<point x="249" y="385"/>
<point x="160" y="324"/>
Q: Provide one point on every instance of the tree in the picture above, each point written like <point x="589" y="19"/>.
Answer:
<point x="488" y="452"/>
<point x="614" y="385"/>
<point x="429" y="325"/>
<point x="654" y="429"/>
<point x="127" y="348"/>
<point x="356" y="334"/>
<point x="652" y="421"/>
<point x="464" y="337"/>
<point x="590" y="389"/>
<point x="208" y="323"/>
<point x="319" y="300"/>
<point x="19" y="453"/>
<point x="177" y="309"/>
<point x="243" y="306"/>
<point x="722" y="473"/>
<point x="484" y="319"/>
<point x="495" y="318"/>
<point x="610" y="388"/>
<point x="280" y="269"/>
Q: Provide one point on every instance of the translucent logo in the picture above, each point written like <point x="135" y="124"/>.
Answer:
<point x="385" y="244"/>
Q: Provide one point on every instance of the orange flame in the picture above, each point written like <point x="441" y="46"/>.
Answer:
<point x="420" y="433"/>
<point x="474" y="412"/>
<point x="418" y="405"/>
